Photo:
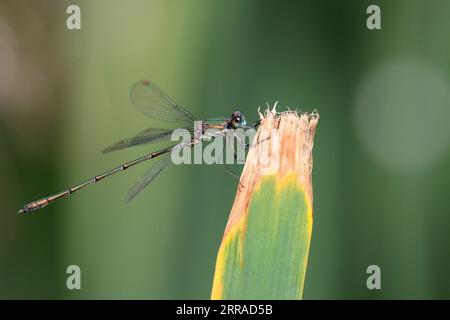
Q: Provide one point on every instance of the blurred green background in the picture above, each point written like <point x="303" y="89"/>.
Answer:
<point x="382" y="148"/>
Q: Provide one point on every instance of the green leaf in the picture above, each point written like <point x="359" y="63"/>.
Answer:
<point x="264" y="251"/>
<point x="266" y="258"/>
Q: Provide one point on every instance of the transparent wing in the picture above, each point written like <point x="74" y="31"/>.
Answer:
<point x="217" y="119"/>
<point x="151" y="131"/>
<point x="148" y="177"/>
<point x="153" y="102"/>
<point x="147" y="136"/>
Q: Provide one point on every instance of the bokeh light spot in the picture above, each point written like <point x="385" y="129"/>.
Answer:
<point x="402" y="112"/>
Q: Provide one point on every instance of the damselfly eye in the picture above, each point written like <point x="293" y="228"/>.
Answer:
<point x="237" y="120"/>
<point x="235" y="124"/>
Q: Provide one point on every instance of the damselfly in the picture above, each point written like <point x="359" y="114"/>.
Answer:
<point x="153" y="102"/>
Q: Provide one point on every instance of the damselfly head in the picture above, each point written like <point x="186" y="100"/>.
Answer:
<point x="237" y="120"/>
